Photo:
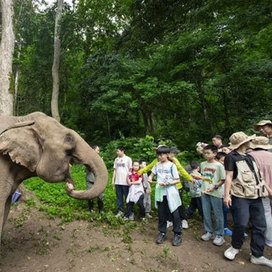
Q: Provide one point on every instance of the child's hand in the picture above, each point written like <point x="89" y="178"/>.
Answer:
<point x="148" y="191"/>
<point x="163" y="184"/>
<point x="211" y="189"/>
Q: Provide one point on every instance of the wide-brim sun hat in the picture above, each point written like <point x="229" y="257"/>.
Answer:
<point x="261" y="123"/>
<point x="260" y="142"/>
<point x="239" y="138"/>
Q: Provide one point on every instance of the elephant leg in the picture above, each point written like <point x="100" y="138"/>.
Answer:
<point x="6" y="211"/>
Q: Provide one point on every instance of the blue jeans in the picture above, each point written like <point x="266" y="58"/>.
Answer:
<point x="121" y="191"/>
<point x="245" y="210"/>
<point x="210" y="203"/>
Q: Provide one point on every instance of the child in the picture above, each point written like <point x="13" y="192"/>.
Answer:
<point x="195" y="190"/>
<point x="122" y="167"/>
<point x="136" y="193"/>
<point x="90" y="179"/>
<point x="213" y="173"/>
<point x="167" y="195"/>
<point x="182" y="172"/>
<point x="147" y="189"/>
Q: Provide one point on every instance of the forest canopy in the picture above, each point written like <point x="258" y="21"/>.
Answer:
<point x="181" y="70"/>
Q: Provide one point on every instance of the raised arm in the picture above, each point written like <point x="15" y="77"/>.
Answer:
<point x="148" y="167"/>
<point x="181" y="170"/>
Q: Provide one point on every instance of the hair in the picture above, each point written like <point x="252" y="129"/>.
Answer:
<point x="211" y="147"/>
<point x="217" y="136"/>
<point x="94" y="146"/>
<point x="163" y="150"/>
<point x="121" y="148"/>
<point x="220" y="155"/>
<point x="194" y="164"/>
<point x="141" y="161"/>
<point x="135" y="162"/>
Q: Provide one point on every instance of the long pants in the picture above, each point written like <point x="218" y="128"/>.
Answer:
<point x="210" y="203"/>
<point x="130" y="206"/>
<point x="121" y="191"/>
<point x="164" y="212"/>
<point x="267" y="203"/>
<point x="147" y="202"/>
<point x="182" y="211"/>
<point x="225" y="212"/>
<point x="195" y="203"/>
<point x="245" y="210"/>
<point x="99" y="199"/>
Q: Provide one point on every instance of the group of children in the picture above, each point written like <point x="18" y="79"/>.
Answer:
<point x="206" y="183"/>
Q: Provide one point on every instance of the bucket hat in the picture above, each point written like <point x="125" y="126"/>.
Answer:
<point x="261" y="123"/>
<point x="239" y="138"/>
<point x="260" y="142"/>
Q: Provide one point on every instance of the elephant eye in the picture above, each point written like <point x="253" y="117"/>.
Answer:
<point x="68" y="138"/>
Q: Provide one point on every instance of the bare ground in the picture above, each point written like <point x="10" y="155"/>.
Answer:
<point x="32" y="242"/>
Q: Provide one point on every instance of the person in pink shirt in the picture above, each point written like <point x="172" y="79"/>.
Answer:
<point x="263" y="158"/>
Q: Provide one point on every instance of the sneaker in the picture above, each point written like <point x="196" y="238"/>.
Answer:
<point x="184" y="224"/>
<point x="177" y="240"/>
<point x="207" y="236"/>
<point x="126" y="218"/>
<point x="268" y="243"/>
<point x="261" y="260"/>
<point x="231" y="252"/>
<point x="161" y="238"/>
<point x="148" y="215"/>
<point x="218" y="240"/>
<point x="120" y="213"/>
<point x="227" y="232"/>
<point x="131" y="217"/>
<point x="169" y="224"/>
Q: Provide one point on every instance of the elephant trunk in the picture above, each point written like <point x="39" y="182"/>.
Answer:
<point x="84" y="154"/>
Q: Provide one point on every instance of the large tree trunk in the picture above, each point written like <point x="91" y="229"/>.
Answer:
<point x="6" y="55"/>
<point x="55" y="67"/>
<point x="16" y="80"/>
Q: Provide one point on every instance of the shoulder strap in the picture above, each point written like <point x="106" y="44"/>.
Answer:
<point x="171" y="169"/>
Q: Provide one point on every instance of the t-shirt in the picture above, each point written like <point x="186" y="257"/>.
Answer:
<point x="232" y="158"/>
<point x="134" y="176"/>
<point x="212" y="173"/>
<point x="263" y="160"/>
<point x="195" y="188"/>
<point x="165" y="172"/>
<point x="122" y="165"/>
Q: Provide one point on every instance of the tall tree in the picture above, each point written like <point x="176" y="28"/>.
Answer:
<point x="6" y="55"/>
<point x="55" y="67"/>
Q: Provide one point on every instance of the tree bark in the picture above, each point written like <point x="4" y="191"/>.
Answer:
<point x="6" y="56"/>
<point x="55" y="67"/>
<point x="16" y="79"/>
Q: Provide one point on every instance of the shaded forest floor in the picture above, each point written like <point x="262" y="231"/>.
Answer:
<point x="33" y="242"/>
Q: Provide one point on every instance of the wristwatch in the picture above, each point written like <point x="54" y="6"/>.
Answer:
<point x="216" y="187"/>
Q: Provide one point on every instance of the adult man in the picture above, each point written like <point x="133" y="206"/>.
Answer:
<point x="90" y="182"/>
<point x="265" y="128"/>
<point x="217" y="141"/>
<point x="244" y="182"/>
<point x="263" y="160"/>
<point x="122" y="168"/>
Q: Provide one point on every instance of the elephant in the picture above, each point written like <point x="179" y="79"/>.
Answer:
<point x="38" y="145"/>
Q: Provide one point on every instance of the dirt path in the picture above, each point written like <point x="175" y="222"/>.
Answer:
<point x="38" y="244"/>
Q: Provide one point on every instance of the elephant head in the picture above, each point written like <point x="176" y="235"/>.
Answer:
<point x="45" y="147"/>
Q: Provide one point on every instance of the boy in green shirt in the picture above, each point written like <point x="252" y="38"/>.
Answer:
<point x="213" y="174"/>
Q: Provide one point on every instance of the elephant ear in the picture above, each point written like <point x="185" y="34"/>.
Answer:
<point x="21" y="143"/>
